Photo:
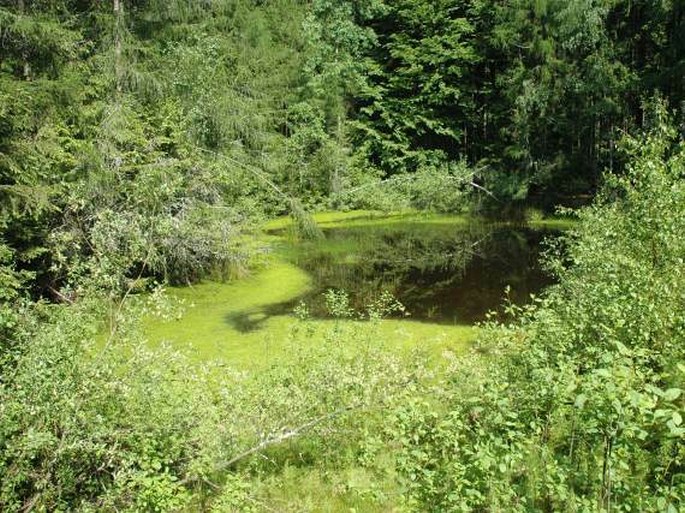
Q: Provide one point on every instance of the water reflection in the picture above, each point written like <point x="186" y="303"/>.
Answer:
<point x="441" y="274"/>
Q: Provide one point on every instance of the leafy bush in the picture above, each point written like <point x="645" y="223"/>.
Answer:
<point x="91" y="428"/>
<point x="94" y="425"/>
<point x="435" y="187"/>
<point x="578" y="404"/>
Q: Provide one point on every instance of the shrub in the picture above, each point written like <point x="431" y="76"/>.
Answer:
<point x="577" y="404"/>
<point x="94" y="425"/>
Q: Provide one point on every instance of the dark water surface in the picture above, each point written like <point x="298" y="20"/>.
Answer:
<point x="441" y="273"/>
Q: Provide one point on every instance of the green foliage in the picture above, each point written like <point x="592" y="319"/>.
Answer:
<point x="577" y="404"/>
<point x="127" y="111"/>
<point x="416" y="99"/>
<point x="15" y="322"/>
<point x="441" y="187"/>
<point x="535" y="93"/>
<point x="139" y="140"/>
<point x="115" y="426"/>
<point x="78" y="421"/>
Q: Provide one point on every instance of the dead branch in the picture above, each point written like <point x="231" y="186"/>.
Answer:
<point x="274" y="439"/>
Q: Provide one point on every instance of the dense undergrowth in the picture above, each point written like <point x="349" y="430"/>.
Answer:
<point x="577" y="404"/>
<point x="141" y="142"/>
<point x="122" y="427"/>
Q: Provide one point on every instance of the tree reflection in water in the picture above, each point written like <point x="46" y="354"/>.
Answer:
<point x="442" y="274"/>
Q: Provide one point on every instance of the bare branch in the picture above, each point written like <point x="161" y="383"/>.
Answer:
<point x="60" y="295"/>
<point x="480" y="187"/>
<point x="274" y="439"/>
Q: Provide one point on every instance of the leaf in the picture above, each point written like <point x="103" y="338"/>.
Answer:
<point x="672" y="394"/>
<point x="581" y="399"/>
<point x="603" y="373"/>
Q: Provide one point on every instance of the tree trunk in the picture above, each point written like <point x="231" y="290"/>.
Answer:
<point x="335" y="185"/>
<point x="26" y="72"/>
<point x="118" y="27"/>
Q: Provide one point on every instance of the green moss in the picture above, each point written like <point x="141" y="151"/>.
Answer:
<point x="364" y="218"/>
<point x="208" y="330"/>
<point x="375" y="218"/>
<point x="246" y="324"/>
<point x="323" y="218"/>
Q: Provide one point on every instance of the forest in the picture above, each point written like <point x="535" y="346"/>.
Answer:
<point x="342" y="256"/>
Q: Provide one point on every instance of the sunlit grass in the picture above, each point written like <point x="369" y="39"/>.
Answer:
<point x="351" y="489"/>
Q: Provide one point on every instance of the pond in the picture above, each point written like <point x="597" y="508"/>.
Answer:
<point x="442" y="273"/>
<point x="448" y="272"/>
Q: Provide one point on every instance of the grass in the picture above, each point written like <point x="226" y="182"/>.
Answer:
<point x="352" y="489"/>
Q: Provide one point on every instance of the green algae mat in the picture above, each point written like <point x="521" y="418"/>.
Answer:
<point x="449" y="270"/>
